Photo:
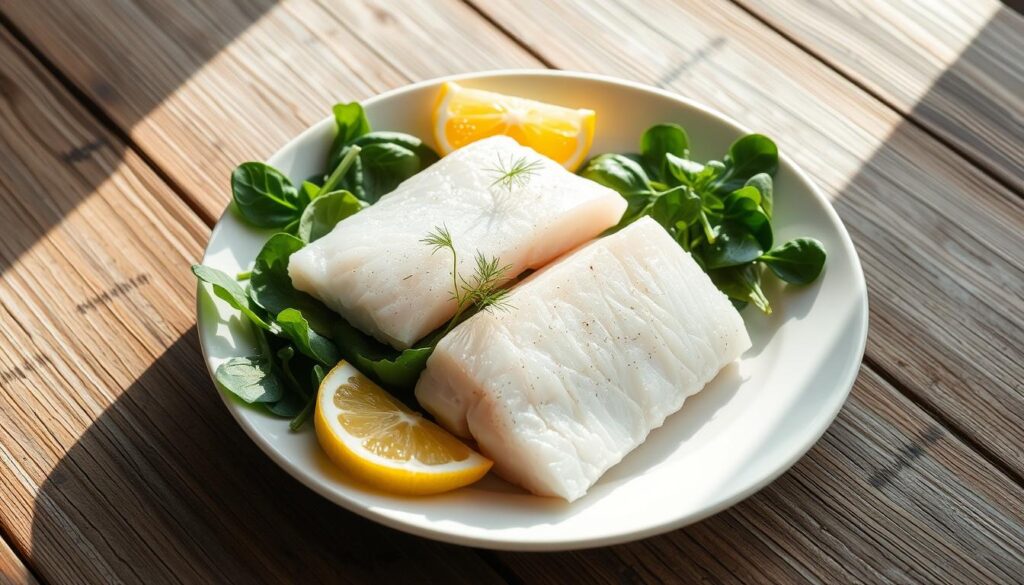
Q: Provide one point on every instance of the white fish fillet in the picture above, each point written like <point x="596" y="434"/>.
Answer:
<point x="374" y="269"/>
<point x="597" y="350"/>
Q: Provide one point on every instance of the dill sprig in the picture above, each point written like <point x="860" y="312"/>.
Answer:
<point x="514" y="172"/>
<point x="482" y="290"/>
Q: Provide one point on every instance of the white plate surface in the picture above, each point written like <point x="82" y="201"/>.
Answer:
<point x="746" y="428"/>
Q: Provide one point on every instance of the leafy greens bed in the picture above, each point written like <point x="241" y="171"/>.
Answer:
<point x="719" y="211"/>
<point x="299" y="338"/>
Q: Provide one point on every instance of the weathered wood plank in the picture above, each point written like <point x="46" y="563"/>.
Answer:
<point x="12" y="570"/>
<point x="196" y="83"/>
<point x="887" y="496"/>
<point x="710" y="549"/>
<point x="955" y="67"/>
<point x="119" y="463"/>
<point x="939" y="239"/>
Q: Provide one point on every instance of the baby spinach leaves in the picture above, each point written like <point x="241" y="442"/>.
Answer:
<point x="733" y="246"/>
<point x="742" y="284"/>
<point x="797" y="261"/>
<point x="265" y="197"/>
<point x="250" y="379"/>
<point x="305" y="337"/>
<point x="350" y="123"/>
<point x="750" y="155"/>
<point x="719" y="211"/>
<point x="228" y="289"/>
<point x="324" y="212"/>
<point x="395" y="370"/>
<point x="367" y="164"/>
<point x="385" y="158"/>
<point x="624" y="175"/>
<point x="661" y="140"/>
<point x="306" y="340"/>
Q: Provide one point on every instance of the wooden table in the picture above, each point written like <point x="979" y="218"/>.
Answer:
<point x="119" y="124"/>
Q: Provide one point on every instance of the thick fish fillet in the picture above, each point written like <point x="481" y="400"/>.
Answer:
<point x="595" y="351"/>
<point x="374" y="270"/>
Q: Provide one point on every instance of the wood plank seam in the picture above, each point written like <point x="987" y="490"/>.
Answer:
<point x="471" y="4"/>
<point x="104" y="120"/>
<point x="949" y="425"/>
<point x="989" y="171"/>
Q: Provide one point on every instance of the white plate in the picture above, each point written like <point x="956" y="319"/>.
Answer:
<point x="742" y="431"/>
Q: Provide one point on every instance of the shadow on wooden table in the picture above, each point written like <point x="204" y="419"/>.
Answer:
<point x="164" y="484"/>
<point x="183" y="45"/>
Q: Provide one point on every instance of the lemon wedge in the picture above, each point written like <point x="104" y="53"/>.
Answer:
<point x="380" y="441"/>
<point x="463" y="115"/>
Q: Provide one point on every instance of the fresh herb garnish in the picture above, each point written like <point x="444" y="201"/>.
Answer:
<point x="719" y="211"/>
<point x="514" y="173"/>
<point x="482" y="290"/>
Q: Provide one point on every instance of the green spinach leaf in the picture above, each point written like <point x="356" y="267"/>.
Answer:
<point x="748" y="156"/>
<point x="798" y="261"/>
<point x="734" y="245"/>
<point x="271" y="286"/>
<point x="661" y="140"/>
<point x="307" y="341"/>
<point x="386" y="159"/>
<point x="310" y="190"/>
<point x="686" y="171"/>
<point x="350" y="123"/>
<point x="743" y="206"/>
<point x="229" y="290"/>
<point x="395" y="370"/>
<point x="426" y="154"/>
<point x="264" y="197"/>
<point x="249" y="378"/>
<point x="676" y="209"/>
<point x="625" y="176"/>
<point x="763" y="183"/>
<point x="385" y="165"/>
<point x="324" y="212"/>
<point x="742" y="284"/>
<point x="317" y="379"/>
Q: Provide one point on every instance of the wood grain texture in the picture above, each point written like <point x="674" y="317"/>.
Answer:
<point x="195" y="83"/>
<point x="118" y="462"/>
<point x="12" y="570"/>
<point x="939" y="239"/>
<point x="887" y="496"/>
<point x="872" y="502"/>
<point x="955" y="67"/>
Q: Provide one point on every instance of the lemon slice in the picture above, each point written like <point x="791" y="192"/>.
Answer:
<point x="464" y="115"/>
<point x="379" y="440"/>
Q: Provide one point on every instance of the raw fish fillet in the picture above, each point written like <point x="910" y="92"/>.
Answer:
<point x="375" y="271"/>
<point x="595" y="351"/>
